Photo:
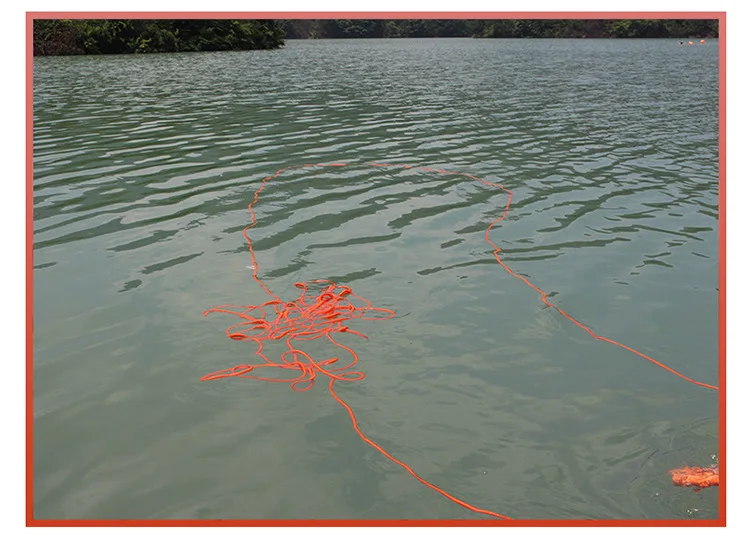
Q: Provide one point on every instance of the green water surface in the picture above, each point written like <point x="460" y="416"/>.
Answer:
<point x="143" y="169"/>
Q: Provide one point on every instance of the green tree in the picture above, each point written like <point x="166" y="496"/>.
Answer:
<point x="109" y="36"/>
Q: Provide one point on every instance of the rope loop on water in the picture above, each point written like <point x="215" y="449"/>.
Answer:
<point x="313" y="316"/>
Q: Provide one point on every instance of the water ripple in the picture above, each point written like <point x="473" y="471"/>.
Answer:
<point x="143" y="170"/>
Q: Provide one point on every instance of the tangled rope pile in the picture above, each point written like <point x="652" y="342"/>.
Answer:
<point x="305" y="318"/>
<point x="326" y="313"/>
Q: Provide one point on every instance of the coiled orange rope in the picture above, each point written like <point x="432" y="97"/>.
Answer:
<point x="326" y="314"/>
<point x="303" y="319"/>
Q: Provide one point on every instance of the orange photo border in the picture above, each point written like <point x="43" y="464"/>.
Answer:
<point x="31" y="16"/>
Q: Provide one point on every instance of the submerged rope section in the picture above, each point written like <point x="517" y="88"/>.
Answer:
<point x="323" y="310"/>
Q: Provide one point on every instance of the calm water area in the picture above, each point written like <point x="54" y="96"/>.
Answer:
<point x="144" y="166"/>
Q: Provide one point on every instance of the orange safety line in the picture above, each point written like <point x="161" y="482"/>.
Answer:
<point x="405" y="466"/>
<point x="313" y="317"/>
<point x="544" y="295"/>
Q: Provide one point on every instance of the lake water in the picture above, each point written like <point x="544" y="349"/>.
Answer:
<point x="143" y="170"/>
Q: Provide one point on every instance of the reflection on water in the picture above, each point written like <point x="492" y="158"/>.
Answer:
<point x="144" y="166"/>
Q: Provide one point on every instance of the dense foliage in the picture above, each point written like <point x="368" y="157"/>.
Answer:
<point x="54" y="37"/>
<point x="83" y="36"/>
<point x="326" y="29"/>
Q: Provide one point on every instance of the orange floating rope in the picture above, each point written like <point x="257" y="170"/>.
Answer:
<point x="305" y="318"/>
<point x="326" y="313"/>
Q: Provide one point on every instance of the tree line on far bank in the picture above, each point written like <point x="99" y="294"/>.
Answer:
<point x="54" y="37"/>
<point x="499" y="28"/>
<point x="108" y="36"/>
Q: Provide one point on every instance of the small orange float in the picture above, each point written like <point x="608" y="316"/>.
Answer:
<point x="696" y="476"/>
